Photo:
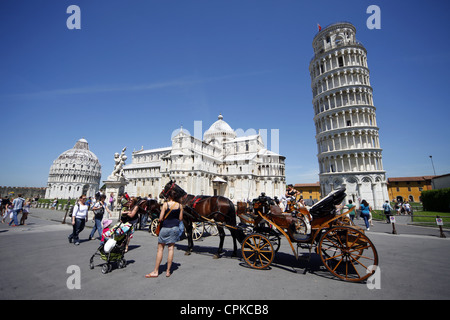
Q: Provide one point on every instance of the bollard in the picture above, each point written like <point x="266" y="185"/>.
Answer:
<point x="393" y="225"/>
<point x="440" y="222"/>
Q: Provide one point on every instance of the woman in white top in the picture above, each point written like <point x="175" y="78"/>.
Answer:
<point x="79" y="218"/>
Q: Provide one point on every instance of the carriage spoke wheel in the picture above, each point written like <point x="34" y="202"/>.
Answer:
<point x="153" y="226"/>
<point x="348" y="253"/>
<point x="270" y="233"/>
<point x="211" y="229"/>
<point x="197" y="230"/>
<point x="274" y="239"/>
<point x="257" y="251"/>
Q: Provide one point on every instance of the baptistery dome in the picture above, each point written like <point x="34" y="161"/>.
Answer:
<point x="75" y="172"/>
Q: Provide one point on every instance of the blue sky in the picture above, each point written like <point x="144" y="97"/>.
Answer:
<point x="137" y="70"/>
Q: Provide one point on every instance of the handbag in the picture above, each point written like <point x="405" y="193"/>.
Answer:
<point x="158" y="228"/>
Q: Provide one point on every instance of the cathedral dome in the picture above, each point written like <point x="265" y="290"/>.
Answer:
<point x="75" y="172"/>
<point x="219" y="130"/>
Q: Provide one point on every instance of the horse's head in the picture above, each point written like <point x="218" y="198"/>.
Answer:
<point x="171" y="189"/>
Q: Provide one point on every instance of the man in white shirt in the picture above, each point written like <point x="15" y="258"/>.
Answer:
<point x="18" y="206"/>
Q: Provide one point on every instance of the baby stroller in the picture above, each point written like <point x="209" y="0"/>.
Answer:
<point x="113" y="250"/>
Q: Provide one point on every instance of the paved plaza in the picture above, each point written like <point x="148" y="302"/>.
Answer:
<point x="37" y="263"/>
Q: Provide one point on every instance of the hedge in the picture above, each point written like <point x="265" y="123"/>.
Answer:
<point x="436" y="200"/>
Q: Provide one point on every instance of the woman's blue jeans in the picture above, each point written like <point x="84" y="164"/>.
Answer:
<point x="366" y="217"/>
<point x="98" y="227"/>
<point x="77" y="228"/>
<point x="14" y="219"/>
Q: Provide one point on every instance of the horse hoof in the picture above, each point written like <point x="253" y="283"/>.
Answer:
<point x="216" y="256"/>
<point x="187" y="253"/>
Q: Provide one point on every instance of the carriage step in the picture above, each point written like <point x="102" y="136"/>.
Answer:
<point x="301" y="237"/>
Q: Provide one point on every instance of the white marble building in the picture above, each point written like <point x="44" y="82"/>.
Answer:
<point x="349" y="151"/>
<point x="239" y="168"/>
<point x="75" y="172"/>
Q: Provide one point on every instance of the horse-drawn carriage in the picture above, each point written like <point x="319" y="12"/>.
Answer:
<point x="344" y="249"/>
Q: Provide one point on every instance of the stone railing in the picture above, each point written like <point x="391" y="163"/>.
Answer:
<point x="48" y="205"/>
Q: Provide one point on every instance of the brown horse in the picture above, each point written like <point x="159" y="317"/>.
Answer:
<point x="205" y="208"/>
<point x="148" y="207"/>
<point x="145" y="207"/>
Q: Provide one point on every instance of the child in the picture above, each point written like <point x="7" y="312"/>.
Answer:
<point x="105" y="233"/>
<point x="8" y="213"/>
<point x="26" y="211"/>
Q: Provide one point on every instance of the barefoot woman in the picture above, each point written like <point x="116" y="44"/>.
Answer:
<point x="171" y="215"/>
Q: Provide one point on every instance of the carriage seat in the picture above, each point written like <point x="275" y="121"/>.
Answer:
<point x="326" y="206"/>
<point x="276" y="210"/>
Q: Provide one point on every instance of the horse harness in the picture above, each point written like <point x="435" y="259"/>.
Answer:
<point x="191" y="207"/>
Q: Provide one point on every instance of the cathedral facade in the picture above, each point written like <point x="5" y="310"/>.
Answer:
<point x="238" y="168"/>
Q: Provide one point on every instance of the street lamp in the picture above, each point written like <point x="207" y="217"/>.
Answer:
<point x="432" y="183"/>
<point x="431" y="157"/>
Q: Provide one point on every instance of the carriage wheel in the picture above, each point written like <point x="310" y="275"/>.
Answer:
<point x="275" y="240"/>
<point x="197" y="230"/>
<point x="211" y="229"/>
<point x="257" y="251"/>
<point x="348" y="253"/>
<point x="272" y="235"/>
<point x="153" y="226"/>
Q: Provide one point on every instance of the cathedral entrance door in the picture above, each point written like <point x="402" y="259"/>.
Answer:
<point x="219" y="186"/>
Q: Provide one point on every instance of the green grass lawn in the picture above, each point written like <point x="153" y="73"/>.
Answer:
<point x="428" y="218"/>
<point x="423" y="218"/>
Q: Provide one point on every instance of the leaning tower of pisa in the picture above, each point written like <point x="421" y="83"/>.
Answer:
<point x="349" y="151"/>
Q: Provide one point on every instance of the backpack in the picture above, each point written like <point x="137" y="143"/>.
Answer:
<point x="71" y="209"/>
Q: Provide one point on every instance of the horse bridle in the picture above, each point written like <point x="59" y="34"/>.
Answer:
<point x="166" y="192"/>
